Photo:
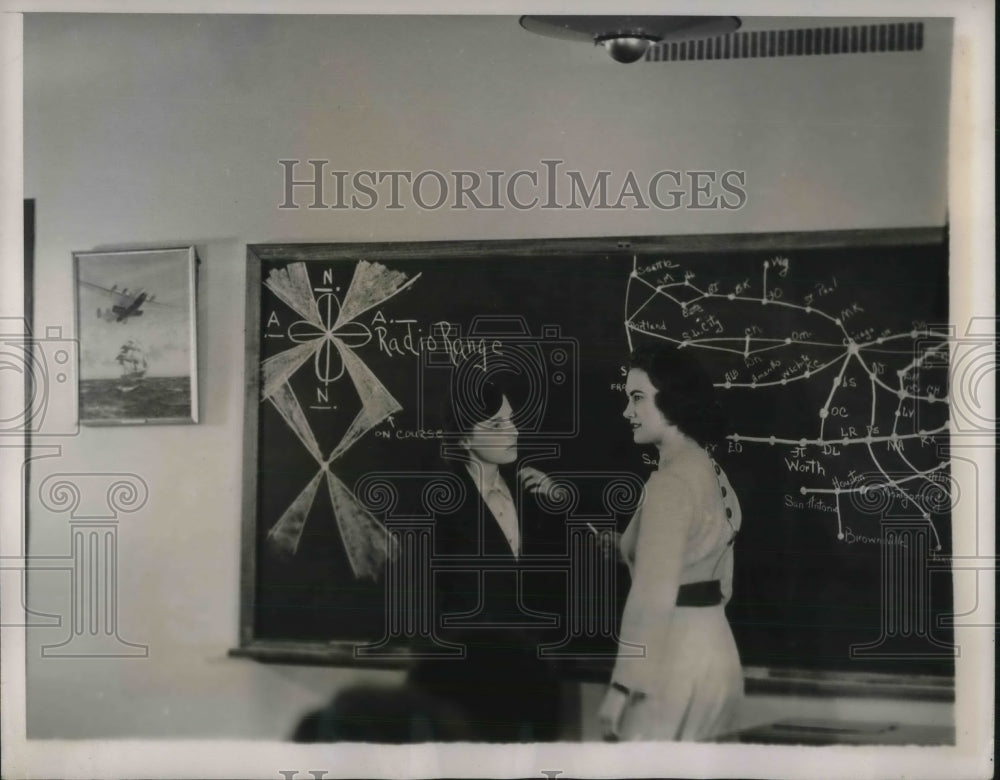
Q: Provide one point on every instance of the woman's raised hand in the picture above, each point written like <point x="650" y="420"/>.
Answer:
<point x="538" y="482"/>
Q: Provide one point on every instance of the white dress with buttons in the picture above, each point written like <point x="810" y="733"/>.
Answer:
<point x="689" y="685"/>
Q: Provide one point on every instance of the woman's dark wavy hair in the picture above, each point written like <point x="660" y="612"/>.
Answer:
<point x="685" y="393"/>
<point x="461" y="408"/>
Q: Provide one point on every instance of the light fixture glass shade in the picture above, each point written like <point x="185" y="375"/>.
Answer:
<point x="626" y="49"/>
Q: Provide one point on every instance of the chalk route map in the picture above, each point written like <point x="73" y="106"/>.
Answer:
<point x="821" y="366"/>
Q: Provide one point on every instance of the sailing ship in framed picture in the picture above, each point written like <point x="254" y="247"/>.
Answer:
<point x="137" y="330"/>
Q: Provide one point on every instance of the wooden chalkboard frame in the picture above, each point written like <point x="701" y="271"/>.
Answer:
<point x="760" y="679"/>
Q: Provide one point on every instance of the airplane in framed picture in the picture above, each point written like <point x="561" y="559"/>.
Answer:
<point x="124" y="304"/>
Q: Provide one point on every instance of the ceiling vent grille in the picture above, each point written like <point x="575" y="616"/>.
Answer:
<point x="855" y="39"/>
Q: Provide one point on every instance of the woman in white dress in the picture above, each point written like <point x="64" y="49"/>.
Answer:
<point x="689" y="683"/>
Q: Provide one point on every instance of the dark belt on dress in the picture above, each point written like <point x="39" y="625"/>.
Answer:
<point x="707" y="593"/>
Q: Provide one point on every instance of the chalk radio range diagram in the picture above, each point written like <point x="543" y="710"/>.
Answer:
<point x="820" y="366"/>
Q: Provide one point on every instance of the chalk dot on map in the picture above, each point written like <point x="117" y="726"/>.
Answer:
<point x="802" y="442"/>
<point x="771" y="440"/>
<point x="754" y="383"/>
<point x="930" y="398"/>
<point x="868" y="439"/>
<point x="823" y="412"/>
<point x="766" y="264"/>
<point x="728" y="385"/>
<point x="913" y="334"/>
<point x="846" y="440"/>
<point x="836" y="491"/>
<point x="809" y="309"/>
<point x="901" y="393"/>
<point x="840" y="534"/>
<point x="736" y="437"/>
<point x="802" y="490"/>
<point x="880" y="340"/>
<point x="788" y="341"/>
<point x="922" y="432"/>
<point x="806" y="374"/>
<point x="896" y="413"/>
<point x="784" y="381"/>
<point x="852" y="347"/>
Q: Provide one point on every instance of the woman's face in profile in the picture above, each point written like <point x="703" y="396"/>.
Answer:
<point x="494" y="440"/>
<point x="649" y="426"/>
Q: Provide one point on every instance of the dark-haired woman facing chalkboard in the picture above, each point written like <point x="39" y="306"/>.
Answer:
<point x="688" y="685"/>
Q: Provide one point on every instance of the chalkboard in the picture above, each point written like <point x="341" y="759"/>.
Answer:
<point x="829" y="352"/>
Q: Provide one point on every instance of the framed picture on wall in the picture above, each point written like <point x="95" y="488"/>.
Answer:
<point x="136" y="325"/>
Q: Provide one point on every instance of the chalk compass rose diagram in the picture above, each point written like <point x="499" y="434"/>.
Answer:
<point x="322" y="333"/>
<point x="842" y="382"/>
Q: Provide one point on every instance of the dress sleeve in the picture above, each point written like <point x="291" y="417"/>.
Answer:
<point x="665" y="518"/>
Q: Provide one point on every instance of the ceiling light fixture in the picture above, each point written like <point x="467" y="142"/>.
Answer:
<point x="627" y="38"/>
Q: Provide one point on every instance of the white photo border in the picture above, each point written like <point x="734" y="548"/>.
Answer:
<point x="971" y="217"/>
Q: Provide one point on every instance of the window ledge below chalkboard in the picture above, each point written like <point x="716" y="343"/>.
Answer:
<point x="804" y="682"/>
<point x="318" y="654"/>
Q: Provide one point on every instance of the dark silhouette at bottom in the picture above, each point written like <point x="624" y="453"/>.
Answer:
<point x="394" y="715"/>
